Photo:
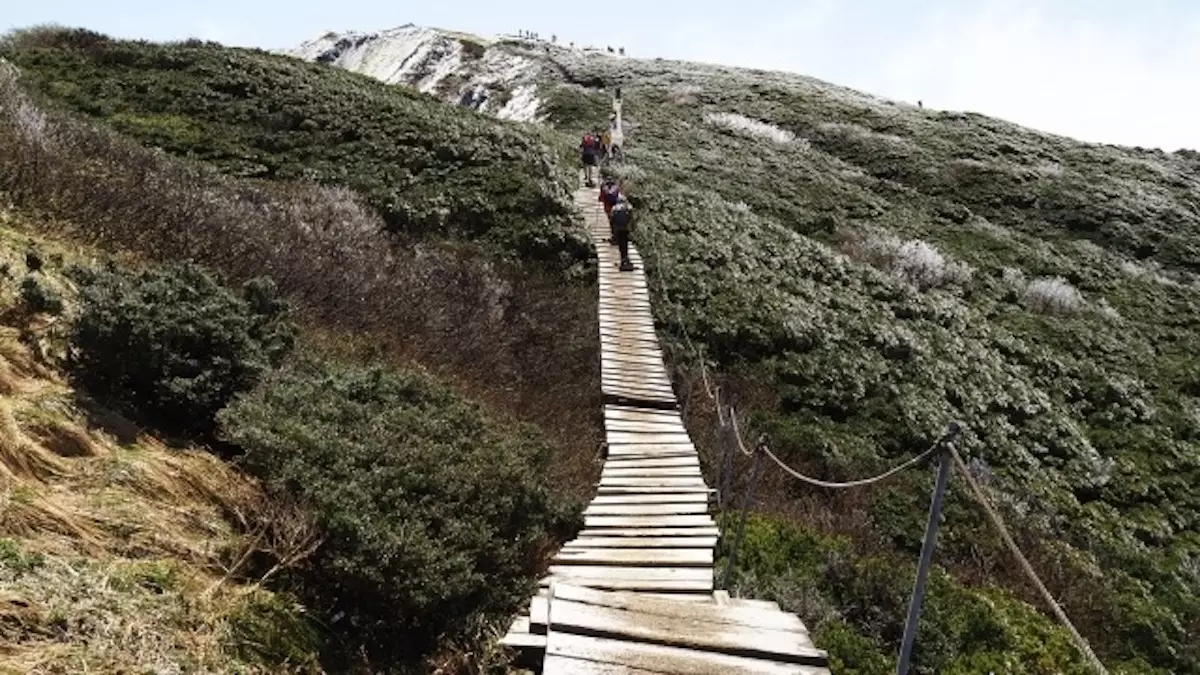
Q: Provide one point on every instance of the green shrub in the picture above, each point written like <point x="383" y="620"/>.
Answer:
<point x="173" y="344"/>
<point x="432" y="515"/>
<point x="37" y="296"/>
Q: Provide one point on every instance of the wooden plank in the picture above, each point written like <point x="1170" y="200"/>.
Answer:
<point x="715" y="614"/>
<point x="633" y="395"/>
<point x="629" y="338"/>
<point x="645" y="426"/>
<point x="636" y="377"/>
<point x="619" y="320"/>
<point x="613" y="366"/>
<point x="585" y="655"/>
<point x="652" y="499"/>
<point x="633" y="489"/>
<point x="626" y="393"/>
<point x="627" y="447"/>
<point x="642" y="557"/>
<point x="694" y="482"/>
<point x="621" y="578"/>
<point x="654" y="472"/>
<point x="653" y="532"/>
<point x="561" y="664"/>
<point x="636" y="372"/>
<point x="632" y="357"/>
<point x="539" y="608"/>
<point x="641" y="542"/>
<point x="635" y="438"/>
<point x="633" y="385"/>
<point x="690" y="520"/>
<point x="628" y="452"/>
<point x="671" y="509"/>
<point x="746" y="641"/>
<point x="618" y="412"/>
<point x="617" y="463"/>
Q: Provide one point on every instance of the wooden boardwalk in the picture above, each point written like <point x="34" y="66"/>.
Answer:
<point x="633" y="593"/>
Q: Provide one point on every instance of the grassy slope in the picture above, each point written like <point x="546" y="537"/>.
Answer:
<point x="455" y="297"/>
<point x="1088" y="422"/>
<point x="112" y="545"/>
<point x="427" y="168"/>
<point x="459" y="296"/>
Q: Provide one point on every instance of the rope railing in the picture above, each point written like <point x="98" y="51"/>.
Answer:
<point x="727" y="420"/>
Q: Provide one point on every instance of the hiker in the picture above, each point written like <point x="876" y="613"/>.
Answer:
<point x="616" y="137"/>
<point x="590" y="147"/>
<point x="621" y="222"/>
<point x="606" y="142"/>
<point x="610" y="193"/>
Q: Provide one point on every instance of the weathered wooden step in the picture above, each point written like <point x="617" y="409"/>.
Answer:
<point x="673" y="631"/>
<point x="640" y="579"/>
<point x="655" y="532"/>
<point x="641" y="557"/>
<point x="568" y="654"/>
<point x="692" y="520"/>
<point x="677" y="509"/>
<point x="591" y="542"/>
<point x="713" y="615"/>
<point x="616" y="463"/>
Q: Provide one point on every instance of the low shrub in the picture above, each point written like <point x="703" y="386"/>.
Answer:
<point x="37" y="296"/>
<point x="173" y="344"/>
<point x="432" y="515"/>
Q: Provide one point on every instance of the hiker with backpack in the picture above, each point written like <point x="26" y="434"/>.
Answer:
<point x="621" y="221"/>
<point x="610" y="191"/>
<point x="590" y="148"/>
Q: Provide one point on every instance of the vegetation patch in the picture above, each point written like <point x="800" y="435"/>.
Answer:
<point x="431" y="514"/>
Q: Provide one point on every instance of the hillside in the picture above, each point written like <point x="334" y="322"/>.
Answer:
<point x="857" y="271"/>
<point x="300" y="331"/>
<point x="864" y="270"/>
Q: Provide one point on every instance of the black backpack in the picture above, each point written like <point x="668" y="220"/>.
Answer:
<point x="621" y="218"/>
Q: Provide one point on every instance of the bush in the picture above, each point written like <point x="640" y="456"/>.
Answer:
<point x="431" y="515"/>
<point x="1053" y="296"/>
<point x="173" y="344"/>
<point x="39" y="297"/>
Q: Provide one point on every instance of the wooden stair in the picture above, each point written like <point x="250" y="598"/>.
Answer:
<point x="633" y="593"/>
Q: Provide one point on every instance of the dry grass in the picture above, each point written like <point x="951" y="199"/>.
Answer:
<point x="114" y="557"/>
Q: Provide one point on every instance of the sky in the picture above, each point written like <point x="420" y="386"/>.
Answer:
<point x="1107" y="71"/>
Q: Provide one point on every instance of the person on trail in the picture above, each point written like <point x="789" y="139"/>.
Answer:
<point x="621" y="221"/>
<point x="590" y="148"/>
<point x="610" y="192"/>
<point x="615" y="138"/>
<point x="606" y="142"/>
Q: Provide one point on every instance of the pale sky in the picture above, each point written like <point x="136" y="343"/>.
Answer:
<point x="1110" y="71"/>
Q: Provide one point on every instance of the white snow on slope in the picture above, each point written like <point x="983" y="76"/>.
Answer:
<point x="523" y="105"/>
<point x="750" y="127"/>
<point x="436" y="62"/>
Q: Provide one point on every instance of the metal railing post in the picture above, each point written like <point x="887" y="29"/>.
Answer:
<point x="747" y="501"/>
<point x="927" y="546"/>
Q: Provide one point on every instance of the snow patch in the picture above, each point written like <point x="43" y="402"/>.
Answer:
<point x="429" y="58"/>
<point x="522" y="106"/>
<point x="750" y="127"/>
